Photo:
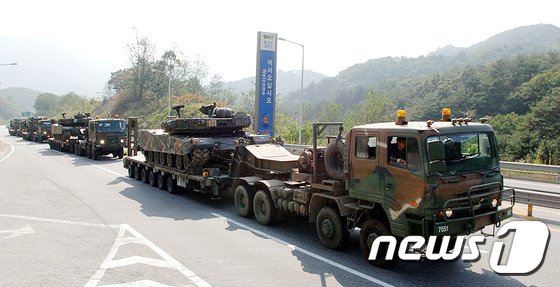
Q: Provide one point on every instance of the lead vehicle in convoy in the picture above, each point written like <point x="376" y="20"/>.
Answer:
<point x="444" y="179"/>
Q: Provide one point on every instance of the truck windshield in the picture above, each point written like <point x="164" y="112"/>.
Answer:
<point x="462" y="152"/>
<point x="45" y="124"/>
<point x="111" y="126"/>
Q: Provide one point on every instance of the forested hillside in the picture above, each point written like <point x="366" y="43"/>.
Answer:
<point x="509" y="78"/>
<point x="287" y="82"/>
<point x="13" y="101"/>
<point x="395" y="75"/>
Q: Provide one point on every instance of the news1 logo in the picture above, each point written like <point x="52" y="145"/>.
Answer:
<point x="526" y="252"/>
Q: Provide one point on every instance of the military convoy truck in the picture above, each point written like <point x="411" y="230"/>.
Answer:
<point x="13" y="127"/>
<point x="66" y="132"/>
<point x="23" y="129"/>
<point x="444" y="179"/>
<point x="43" y="131"/>
<point x="102" y="137"/>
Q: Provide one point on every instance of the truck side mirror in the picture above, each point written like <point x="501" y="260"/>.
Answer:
<point x="436" y="150"/>
<point x="438" y="166"/>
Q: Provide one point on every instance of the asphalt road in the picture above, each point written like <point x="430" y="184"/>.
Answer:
<point x="70" y="221"/>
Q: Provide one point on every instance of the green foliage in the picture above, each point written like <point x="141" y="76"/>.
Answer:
<point x="375" y="108"/>
<point x="46" y="104"/>
<point x="71" y="104"/>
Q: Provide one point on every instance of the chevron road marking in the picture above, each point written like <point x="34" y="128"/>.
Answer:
<point x="136" y="238"/>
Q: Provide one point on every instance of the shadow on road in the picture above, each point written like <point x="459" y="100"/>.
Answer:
<point x="297" y="230"/>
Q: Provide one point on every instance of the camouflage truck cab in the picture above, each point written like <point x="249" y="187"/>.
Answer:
<point x="445" y="179"/>
<point x="44" y="130"/>
<point x="103" y="137"/>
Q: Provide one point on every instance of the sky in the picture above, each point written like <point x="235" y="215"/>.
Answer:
<point x="223" y="33"/>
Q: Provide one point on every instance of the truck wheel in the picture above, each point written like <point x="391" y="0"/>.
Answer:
<point x="243" y="197"/>
<point x="161" y="179"/>
<point x="144" y="175"/>
<point x="137" y="175"/>
<point x="152" y="178"/>
<point x="130" y="170"/>
<point x="335" y="157"/>
<point x="372" y="229"/>
<point x="93" y="155"/>
<point x="120" y="153"/>
<point x="171" y="185"/>
<point x="264" y="209"/>
<point x="331" y="229"/>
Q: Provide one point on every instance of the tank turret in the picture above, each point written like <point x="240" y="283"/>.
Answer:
<point x="186" y="143"/>
<point x="220" y="121"/>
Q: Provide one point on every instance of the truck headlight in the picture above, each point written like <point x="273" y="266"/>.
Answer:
<point x="44" y="133"/>
<point x="101" y="141"/>
<point x="449" y="212"/>
<point x="122" y="140"/>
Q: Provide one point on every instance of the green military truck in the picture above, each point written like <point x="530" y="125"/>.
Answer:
<point x="43" y="131"/>
<point x="103" y="137"/>
<point x="12" y="127"/>
<point x="444" y="179"/>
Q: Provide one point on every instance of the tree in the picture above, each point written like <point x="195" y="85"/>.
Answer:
<point x="376" y="108"/>
<point x="46" y="103"/>
<point x="141" y="55"/>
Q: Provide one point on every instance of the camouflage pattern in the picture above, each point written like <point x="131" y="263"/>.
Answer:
<point x="15" y="127"/>
<point x="12" y="127"/>
<point x="23" y="131"/>
<point x="32" y="128"/>
<point x="421" y="193"/>
<point x="44" y="130"/>
<point x="206" y="126"/>
<point x="106" y="140"/>
<point x="67" y="131"/>
<point x="184" y="142"/>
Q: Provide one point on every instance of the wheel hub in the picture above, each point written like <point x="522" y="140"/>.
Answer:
<point x="327" y="227"/>
<point x="371" y="238"/>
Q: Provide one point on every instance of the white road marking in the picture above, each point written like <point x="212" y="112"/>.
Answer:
<point x="167" y="262"/>
<point x="112" y="172"/>
<point x="18" y="232"/>
<point x="305" y="251"/>
<point x="309" y="253"/>
<point x="59" y="221"/>
<point x="12" y="149"/>
<point x="102" y="168"/>
<point x="141" y="283"/>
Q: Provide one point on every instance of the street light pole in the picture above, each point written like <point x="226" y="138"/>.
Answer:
<point x="300" y="124"/>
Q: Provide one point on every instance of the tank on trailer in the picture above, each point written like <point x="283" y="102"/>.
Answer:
<point x="194" y="143"/>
